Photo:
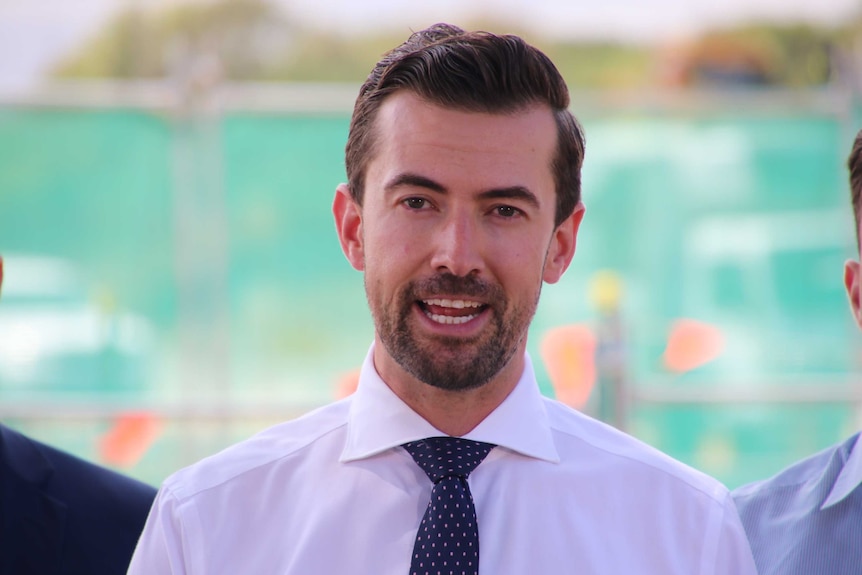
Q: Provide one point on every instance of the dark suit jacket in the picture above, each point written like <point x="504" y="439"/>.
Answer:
<point x="60" y="515"/>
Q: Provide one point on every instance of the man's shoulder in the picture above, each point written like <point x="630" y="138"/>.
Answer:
<point x="39" y="463"/>
<point x="105" y="483"/>
<point x="281" y="444"/>
<point x="88" y="516"/>
<point x="783" y="517"/>
<point x="625" y="455"/>
<point x="804" y="483"/>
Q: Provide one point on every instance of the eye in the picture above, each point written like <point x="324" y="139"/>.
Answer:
<point x="415" y="203"/>
<point x="507" y="211"/>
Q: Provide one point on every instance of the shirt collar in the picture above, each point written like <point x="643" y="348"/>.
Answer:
<point x="379" y="420"/>
<point x="849" y="478"/>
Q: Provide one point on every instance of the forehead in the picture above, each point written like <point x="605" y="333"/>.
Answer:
<point x="416" y="135"/>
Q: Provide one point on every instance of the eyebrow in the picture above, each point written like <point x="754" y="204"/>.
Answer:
<point x="415" y="181"/>
<point x="508" y="192"/>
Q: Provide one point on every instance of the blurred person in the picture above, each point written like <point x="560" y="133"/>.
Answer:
<point x="808" y="518"/>
<point x="62" y="515"/>
<point x="463" y="197"/>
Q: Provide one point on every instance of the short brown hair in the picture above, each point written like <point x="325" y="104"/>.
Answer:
<point x="854" y="165"/>
<point x="475" y="72"/>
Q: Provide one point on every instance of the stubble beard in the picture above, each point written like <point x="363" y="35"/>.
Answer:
<point x="453" y="363"/>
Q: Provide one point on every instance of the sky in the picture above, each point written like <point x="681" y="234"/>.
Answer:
<point x="34" y="34"/>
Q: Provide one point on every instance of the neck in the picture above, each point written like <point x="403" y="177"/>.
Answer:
<point x="455" y="413"/>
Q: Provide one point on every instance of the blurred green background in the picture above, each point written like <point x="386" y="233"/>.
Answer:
<point x="188" y="267"/>
<point x="174" y="282"/>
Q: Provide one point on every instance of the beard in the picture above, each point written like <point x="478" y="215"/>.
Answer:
<point x="453" y="363"/>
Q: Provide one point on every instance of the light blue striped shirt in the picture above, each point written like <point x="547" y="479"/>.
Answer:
<point x="807" y="520"/>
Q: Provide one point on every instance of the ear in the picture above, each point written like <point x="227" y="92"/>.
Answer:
<point x="562" y="247"/>
<point x="851" y="283"/>
<point x="348" y="222"/>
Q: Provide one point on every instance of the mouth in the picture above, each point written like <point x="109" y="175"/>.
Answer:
<point x="451" y="311"/>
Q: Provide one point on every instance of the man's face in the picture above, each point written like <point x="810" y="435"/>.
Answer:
<point x="455" y="235"/>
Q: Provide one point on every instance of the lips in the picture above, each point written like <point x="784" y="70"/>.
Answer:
<point x="451" y="311"/>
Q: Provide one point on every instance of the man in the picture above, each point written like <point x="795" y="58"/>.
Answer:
<point x="63" y="515"/>
<point x="463" y="196"/>
<point x="808" y="517"/>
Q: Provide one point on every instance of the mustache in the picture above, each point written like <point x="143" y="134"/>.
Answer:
<point x="447" y="283"/>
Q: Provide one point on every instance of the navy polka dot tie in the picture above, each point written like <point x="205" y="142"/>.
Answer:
<point x="448" y="539"/>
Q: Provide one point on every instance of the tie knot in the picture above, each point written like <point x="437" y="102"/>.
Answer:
<point x="440" y="457"/>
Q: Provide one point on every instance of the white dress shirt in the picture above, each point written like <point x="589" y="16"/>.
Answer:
<point x="333" y="492"/>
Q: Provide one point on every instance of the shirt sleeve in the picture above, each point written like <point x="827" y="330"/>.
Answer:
<point x="161" y="547"/>
<point x="732" y="553"/>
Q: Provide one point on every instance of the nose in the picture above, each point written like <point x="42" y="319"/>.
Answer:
<point x="457" y="246"/>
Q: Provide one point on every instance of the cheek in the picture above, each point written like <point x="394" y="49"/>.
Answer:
<point x="521" y="253"/>
<point x="520" y="268"/>
<point x="394" y="248"/>
<point x="389" y="265"/>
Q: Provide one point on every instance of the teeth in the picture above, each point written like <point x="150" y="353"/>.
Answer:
<point x="450" y="320"/>
<point x="453" y="303"/>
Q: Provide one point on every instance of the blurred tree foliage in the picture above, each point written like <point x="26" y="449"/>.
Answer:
<point x="253" y="40"/>
<point x="602" y="65"/>
<point x="793" y="55"/>
<point x="250" y="39"/>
